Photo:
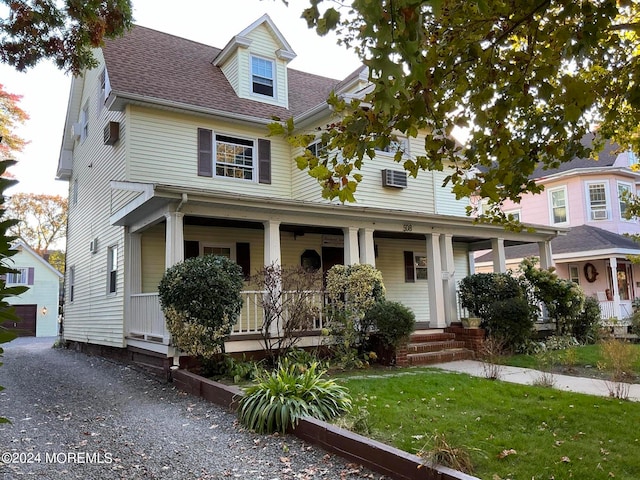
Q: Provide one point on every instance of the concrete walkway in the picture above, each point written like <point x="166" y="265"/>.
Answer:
<point x="526" y="376"/>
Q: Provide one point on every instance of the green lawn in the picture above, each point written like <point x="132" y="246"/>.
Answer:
<point x="585" y="356"/>
<point x="555" y="435"/>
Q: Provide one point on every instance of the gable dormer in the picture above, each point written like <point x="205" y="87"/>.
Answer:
<point x="255" y="63"/>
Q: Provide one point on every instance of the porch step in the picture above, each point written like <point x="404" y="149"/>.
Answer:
<point x="431" y="337"/>
<point x="435" y="346"/>
<point x="449" y="355"/>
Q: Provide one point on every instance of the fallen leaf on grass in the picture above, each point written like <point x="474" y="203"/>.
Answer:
<point x="506" y="453"/>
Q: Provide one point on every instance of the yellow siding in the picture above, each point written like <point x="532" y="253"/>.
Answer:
<point x="446" y="203"/>
<point x="95" y="316"/>
<point x="264" y="44"/>
<point x="230" y="71"/>
<point x="153" y="257"/>
<point x="164" y="150"/>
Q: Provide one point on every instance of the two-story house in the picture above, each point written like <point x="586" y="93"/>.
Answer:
<point x="37" y="308"/>
<point x="587" y="196"/>
<point x="167" y="155"/>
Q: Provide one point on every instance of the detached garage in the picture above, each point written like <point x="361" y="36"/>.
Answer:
<point x="37" y="308"/>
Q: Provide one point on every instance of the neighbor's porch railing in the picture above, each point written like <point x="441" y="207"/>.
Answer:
<point x="147" y="322"/>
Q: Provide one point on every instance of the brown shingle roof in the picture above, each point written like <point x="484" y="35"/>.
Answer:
<point x="156" y="65"/>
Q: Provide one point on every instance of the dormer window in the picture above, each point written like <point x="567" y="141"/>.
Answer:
<point x="262" y="76"/>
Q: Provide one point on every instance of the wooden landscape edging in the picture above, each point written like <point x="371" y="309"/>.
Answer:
<point x="376" y="456"/>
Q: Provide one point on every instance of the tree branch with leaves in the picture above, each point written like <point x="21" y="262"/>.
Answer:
<point x="525" y="80"/>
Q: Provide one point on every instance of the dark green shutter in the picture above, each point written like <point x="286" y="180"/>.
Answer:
<point x="205" y="152"/>
<point x="264" y="161"/>
<point x="409" y="267"/>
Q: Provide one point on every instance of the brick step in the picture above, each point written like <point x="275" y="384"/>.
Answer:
<point x="434" y="346"/>
<point x="431" y="337"/>
<point x="429" y="358"/>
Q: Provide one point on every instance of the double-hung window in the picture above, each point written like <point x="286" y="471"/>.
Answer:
<point x="72" y="282"/>
<point x="400" y="144"/>
<point x="19" y="277"/>
<point x="318" y="148"/>
<point x="415" y="265"/>
<point x="112" y="269"/>
<point x="262" y="76"/>
<point x="624" y="190"/>
<point x="597" y="196"/>
<point x="558" y="205"/>
<point x="84" y="122"/>
<point x="234" y="157"/>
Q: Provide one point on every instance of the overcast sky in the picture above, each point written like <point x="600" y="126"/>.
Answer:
<point x="45" y="90"/>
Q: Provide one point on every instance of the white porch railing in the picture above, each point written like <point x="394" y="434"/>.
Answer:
<point x="146" y="321"/>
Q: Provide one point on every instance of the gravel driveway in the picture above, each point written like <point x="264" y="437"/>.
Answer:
<point x="80" y="417"/>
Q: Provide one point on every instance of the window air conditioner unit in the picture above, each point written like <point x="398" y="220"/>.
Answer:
<point x="394" y="178"/>
<point x="93" y="246"/>
<point x="76" y="131"/>
<point x="599" y="214"/>
<point x="111" y="133"/>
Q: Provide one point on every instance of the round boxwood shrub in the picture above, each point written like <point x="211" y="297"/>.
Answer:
<point x="201" y="300"/>
<point x="392" y="321"/>
<point x="478" y="291"/>
<point x="510" y="321"/>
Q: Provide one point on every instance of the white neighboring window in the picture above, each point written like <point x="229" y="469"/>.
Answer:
<point x="420" y="263"/>
<point x="112" y="269"/>
<point x="515" y="214"/>
<point x="84" y="122"/>
<point x="234" y="157"/>
<point x="105" y="89"/>
<point x="19" y="277"/>
<point x="318" y="148"/>
<point x="218" y="249"/>
<point x="623" y="189"/>
<point x="597" y="197"/>
<point x="399" y="144"/>
<point x="72" y="282"/>
<point x="262" y="81"/>
<point x="558" y="205"/>
<point x="574" y="274"/>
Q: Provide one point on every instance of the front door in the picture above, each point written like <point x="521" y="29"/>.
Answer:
<point x="331" y="256"/>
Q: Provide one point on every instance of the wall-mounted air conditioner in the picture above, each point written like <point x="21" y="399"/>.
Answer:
<point x="599" y="214"/>
<point x="111" y="133"/>
<point x="394" y="178"/>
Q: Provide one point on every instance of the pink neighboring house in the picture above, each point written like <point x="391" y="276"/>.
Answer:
<point x="585" y="195"/>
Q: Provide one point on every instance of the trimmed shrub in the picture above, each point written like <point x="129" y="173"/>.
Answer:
<point x="281" y="398"/>
<point x="586" y="326"/>
<point x="510" y="321"/>
<point x="477" y="292"/>
<point x="201" y="300"/>
<point x="392" y="321"/>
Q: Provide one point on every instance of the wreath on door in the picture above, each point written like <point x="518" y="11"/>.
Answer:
<point x="590" y="272"/>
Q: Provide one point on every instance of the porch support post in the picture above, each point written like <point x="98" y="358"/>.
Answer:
<point x="448" y="278"/>
<point x="351" y="255"/>
<point x="499" y="258"/>
<point x="367" y="248"/>
<point x="617" y="311"/>
<point x="272" y="252"/>
<point x="272" y="256"/>
<point x="546" y="255"/>
<point x="174" y="239"/>
<point x="436" y="290"/>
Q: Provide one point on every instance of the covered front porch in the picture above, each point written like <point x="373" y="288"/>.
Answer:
<point x="421" y="257"/>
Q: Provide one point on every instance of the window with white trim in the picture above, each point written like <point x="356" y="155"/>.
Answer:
<point x="72" y="282"/>
<point x="574" y="274"/>
<point x="318" y="148"/>
<point x="559" y="209"/>
<point x="420" y="262"/>
<point x="112" y="269"/>
<point x="105" y="89"/>
<point x="399" y="144"/>
<point x="84" y="122"/>
<point x="597" y="197"/>
<point x="234" y="157"/>
<point x="218" y="249"/>
<point x="623" y="190"/>
<point x="19" y="277"/>
<point x="516" y="214"/>
<point x="262" y="78"/>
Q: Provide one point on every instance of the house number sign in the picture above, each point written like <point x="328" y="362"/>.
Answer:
<point x="407" y="227"/>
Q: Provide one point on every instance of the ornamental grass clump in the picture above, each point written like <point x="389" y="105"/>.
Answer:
<point x="282" y="397"/>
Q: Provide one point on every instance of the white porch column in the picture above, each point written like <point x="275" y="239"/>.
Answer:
<point x="367" y="247"/>
<point x="272" y="256"/>
<point x="351" y="255"/>
<point x="613" y="264"/>
<point x="448" y="278"/>
<point x="174" y="239"/>
<point x="272" y="252"/>
<point x="499" y="258"/>
<point x="546" y="255"/>
<point x="436" y="290"/>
